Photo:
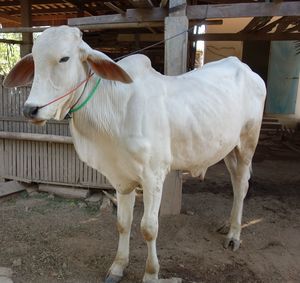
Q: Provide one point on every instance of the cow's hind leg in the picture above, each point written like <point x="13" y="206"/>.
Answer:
<point x="125" y="215"/>
<point x="239" y="166"/>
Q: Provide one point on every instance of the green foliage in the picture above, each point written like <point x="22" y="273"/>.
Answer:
<point x="9" y="53"/>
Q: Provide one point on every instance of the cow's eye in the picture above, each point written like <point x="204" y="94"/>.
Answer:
<point x="64" y="59"/>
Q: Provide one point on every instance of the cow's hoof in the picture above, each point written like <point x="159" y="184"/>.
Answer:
<point x="113" y="278"/>
<point x="232" y="243"/>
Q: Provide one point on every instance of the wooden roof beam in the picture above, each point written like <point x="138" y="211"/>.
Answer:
<point x="197" y="12"/>
<point x="131" y="16"/>
<point x="114" y="8"/>
<point x="80" y="6"/>
<point x="141" y="3"/>
<point x="7" y="18"/>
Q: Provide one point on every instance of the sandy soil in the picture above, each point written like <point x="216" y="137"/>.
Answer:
<point x="56" y="240"/>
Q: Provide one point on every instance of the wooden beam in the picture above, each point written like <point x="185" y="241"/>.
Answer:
<point x="121" y="25"/>
<point x="99" y="26"/>
<point x="22" y="29"/>
<point x="197" y="12"/>
<point x="283" y="21"/>
<point x="172" y="194"/>
<point x="245" y="36"/>
<point x="10" y="41"/>
<point x="64" y="191"/>
<point x="8" y="18"/>
<point x="243" y="10"/>
<point x="257" y="23"/>
<point x="11" y="3"/>
<point x="295" y="28"/>
<point x="80" y="6"/>
<point x="131" y="16"/>
<point x="35" y="137"/>
<point x="141" y="3"/>
<point x="57" y="17"/>
<point x="114" y="8"/>
<point x="163" y="3"/>
<point x="26" y="21"/>
<point x="175" y="64"/>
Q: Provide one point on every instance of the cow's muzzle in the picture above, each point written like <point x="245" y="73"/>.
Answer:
<point x="30" y="111"/>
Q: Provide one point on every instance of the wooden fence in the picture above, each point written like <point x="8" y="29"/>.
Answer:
<point x="39" y="154"/>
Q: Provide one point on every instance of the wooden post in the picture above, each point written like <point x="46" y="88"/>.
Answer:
<point x="26" y="21"/>
<point x="175" y="64"/>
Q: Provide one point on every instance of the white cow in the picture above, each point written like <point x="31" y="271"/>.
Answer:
<point x="140" y="124"/>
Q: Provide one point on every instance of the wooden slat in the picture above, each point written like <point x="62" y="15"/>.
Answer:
<point x="90" y="175"/>
<point x="23" y="155"/>
<point x="85" y="173"/>
<point x="45" y="161"/>
<point x="9" y="158"/>
<point x="2" y="163"/>
<point x="71" y="164"/>
<point x="65" y="162"/>
<point x="37" y="160"/>
<point x="29" y="157"/>
<point x="18" y="158"/>
<point x="41" y="161"/>
<point x="55" y="154"/>
<point x="13" y="158"/>
<point x="49" y="162"/>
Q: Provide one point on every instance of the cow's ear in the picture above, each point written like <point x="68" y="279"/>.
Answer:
<point x="21" y="74"/>
<point x="103" y="66"/>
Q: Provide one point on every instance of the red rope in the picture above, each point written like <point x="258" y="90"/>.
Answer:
<point x="68" y="93"/>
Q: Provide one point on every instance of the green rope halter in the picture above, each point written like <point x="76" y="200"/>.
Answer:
<point x="89" y="97"/>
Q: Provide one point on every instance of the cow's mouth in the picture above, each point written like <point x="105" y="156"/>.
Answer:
<point x="38" y="122"/>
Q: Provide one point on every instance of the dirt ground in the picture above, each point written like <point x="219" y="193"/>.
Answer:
<point x="47" y="240"/>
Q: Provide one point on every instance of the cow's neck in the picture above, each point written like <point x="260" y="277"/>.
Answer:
<point x="104" y="112"/>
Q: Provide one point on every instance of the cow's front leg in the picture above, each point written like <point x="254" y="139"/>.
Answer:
<point x="149" y="229"/>
<point x="125" y="215"/>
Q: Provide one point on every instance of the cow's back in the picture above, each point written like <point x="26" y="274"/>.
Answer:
<point x="208" y="110"/>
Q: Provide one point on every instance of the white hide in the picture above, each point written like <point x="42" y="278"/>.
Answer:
<point x="136" y="133"/>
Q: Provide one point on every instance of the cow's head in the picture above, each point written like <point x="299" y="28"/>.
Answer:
<point x="60" y="60"/>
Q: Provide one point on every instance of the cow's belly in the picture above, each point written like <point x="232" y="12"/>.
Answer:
<point x="198" y="158"/>
<point x="196" y="148"/>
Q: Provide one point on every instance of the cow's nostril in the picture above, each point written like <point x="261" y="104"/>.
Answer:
<point x="34" y="111"/>
<point x="30" y="111"/>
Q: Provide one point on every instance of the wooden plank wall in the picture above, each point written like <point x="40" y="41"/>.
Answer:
<point x="35" y="161"/>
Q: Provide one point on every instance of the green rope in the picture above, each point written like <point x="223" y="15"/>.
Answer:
<point x="91" y="94"/>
